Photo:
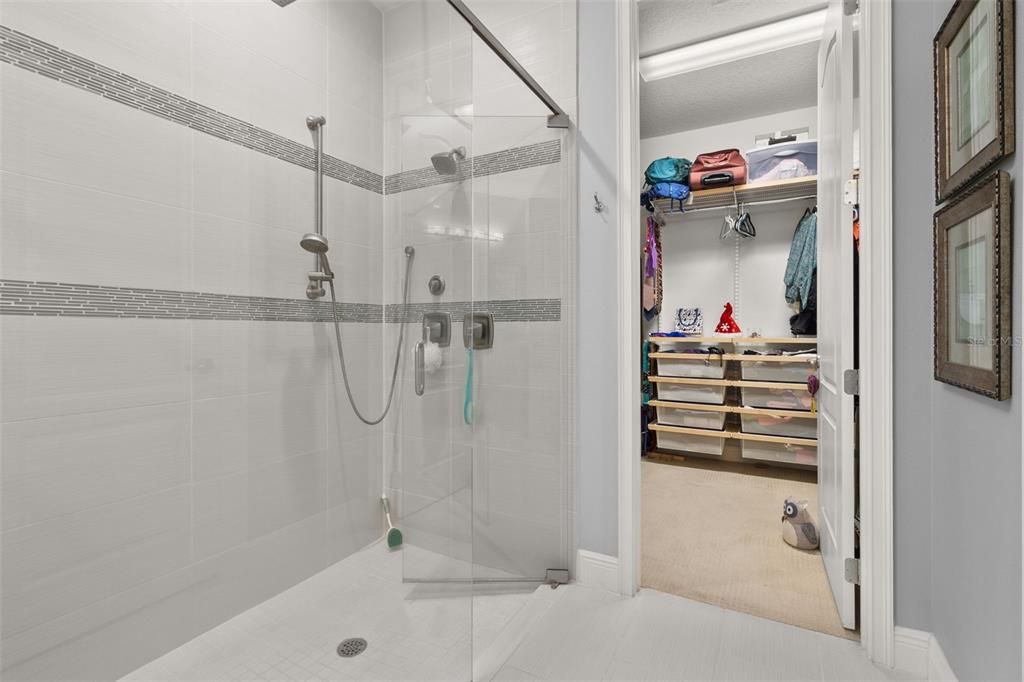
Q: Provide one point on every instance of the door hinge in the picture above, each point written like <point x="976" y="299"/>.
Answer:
<point x="852" y="570"/>
<point x="851" y="7"/>
<point x="851" y="192"/>
<point x="851" y="382"/>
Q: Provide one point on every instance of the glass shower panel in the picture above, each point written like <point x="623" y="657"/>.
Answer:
<point x="522" y="256"/>
<point x="432" y="439"/>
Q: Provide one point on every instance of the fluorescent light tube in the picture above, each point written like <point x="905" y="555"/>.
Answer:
<point x="778" y="35"/>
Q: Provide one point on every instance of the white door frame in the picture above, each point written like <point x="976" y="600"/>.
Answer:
<point x="876" y="425"/>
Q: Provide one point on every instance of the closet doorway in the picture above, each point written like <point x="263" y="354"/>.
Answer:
<point x="749" y="278"/>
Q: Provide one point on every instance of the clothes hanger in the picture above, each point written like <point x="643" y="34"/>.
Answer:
<point x="745" y="223"/>
<point x="729" y="221"/>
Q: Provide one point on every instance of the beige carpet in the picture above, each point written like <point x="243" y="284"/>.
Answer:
<point x="712" y="534"/>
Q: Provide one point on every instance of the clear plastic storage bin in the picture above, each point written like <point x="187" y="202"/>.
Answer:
<point x="767" y="425"/>
<point x="786" y="453"/>
<point x="690" y="393"/>
<point x="693" y="366"/>
<point x="685" y="442"/>
<point x="767" y="370"/>
<point x="796" y="398"/>
<point x="783" y="161"/>
<point x="693" y="419"/>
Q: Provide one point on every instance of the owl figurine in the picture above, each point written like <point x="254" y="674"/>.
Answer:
<point x="797" y="526"/>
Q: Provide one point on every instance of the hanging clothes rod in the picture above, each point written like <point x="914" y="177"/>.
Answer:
<point x="558" y="117"/>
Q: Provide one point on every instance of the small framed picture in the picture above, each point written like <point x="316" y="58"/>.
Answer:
<point x="973" y="289"/>
<point x="974" y="92"/>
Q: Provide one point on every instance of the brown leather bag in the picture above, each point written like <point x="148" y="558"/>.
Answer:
<point x="718" y="169"/>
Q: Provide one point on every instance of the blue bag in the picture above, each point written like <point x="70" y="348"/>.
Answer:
<point x="676" y="191"/>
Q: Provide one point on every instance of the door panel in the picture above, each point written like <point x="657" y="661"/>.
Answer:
<point x="835" y="307"/>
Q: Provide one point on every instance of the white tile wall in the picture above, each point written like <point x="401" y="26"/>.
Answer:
<point x="159" y="476"/>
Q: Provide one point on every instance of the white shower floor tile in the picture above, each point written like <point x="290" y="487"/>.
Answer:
<point x="414" y="631"/>
<point x="424" y="632"/>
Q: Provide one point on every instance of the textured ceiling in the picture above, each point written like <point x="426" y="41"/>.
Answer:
<point x="767" y="84"/>
<point x="665" y="24"/>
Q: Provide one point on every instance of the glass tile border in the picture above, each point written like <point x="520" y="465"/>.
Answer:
<point x="19" y="297"/>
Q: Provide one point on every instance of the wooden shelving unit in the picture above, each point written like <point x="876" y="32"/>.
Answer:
<point x="777" y="449"/>
<point x="750" y="194"/>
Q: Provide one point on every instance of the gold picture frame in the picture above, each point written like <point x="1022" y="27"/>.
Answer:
<point x="973" y="299"/>
<point x="974" y="92"/>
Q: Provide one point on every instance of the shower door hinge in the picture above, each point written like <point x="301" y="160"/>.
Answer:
<point x="556" y="577"/>
<point x="851" y="7"/>
<point x="852" y="570"/>
<point x="851" y="382"/>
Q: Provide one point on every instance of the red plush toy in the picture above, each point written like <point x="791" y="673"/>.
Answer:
<point x="726" y="324"/>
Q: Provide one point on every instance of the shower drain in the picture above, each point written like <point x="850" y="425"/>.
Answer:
<point x="353" y="646"/>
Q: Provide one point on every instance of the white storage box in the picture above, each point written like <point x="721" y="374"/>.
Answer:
<point x="690" y="393"/>
<point x="685" y="442"/>
<point x="782" y="161"/>
<point x="787" y="453"/>
<point x="768" y="370"/>
<point x="693" y="419"/>
<point x="692" y="365"/>
<point x="796" y="398"/>
<point x="767" y="425"/>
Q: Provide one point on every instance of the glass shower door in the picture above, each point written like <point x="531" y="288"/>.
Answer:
<point x="482" y="465"/>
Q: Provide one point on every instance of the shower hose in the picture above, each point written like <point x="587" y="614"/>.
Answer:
<point x="398" y="348"/>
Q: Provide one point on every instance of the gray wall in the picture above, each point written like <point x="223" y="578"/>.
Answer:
<point x="957" y="455"/>
<point x="596" y="439"/>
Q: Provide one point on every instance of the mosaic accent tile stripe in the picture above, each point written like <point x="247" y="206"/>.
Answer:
<point x="87" y="300"/>
<point x="504" y="161"/>
<point x="508" y="310"/>
<point x="31" y="54"/>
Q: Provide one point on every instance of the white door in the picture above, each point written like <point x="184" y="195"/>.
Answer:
<point x="835" y="306"/>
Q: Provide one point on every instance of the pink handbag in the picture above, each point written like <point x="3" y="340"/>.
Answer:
<point x="718" y="169"/>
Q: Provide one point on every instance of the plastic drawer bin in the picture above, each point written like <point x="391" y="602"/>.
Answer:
<point x="783" y="161"/>
<point x="766" y="425"/>
<point x="691" y="393"/>
<point x="693" y="366"/>
<point x="776" y="371"/>
<point x="786" y="453"/>
<point x="692" y="419"/>
<point x="685" y="442"/>
<point x="796" y="398"/>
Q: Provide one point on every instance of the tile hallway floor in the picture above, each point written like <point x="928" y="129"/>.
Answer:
<point x="418" y="631"/>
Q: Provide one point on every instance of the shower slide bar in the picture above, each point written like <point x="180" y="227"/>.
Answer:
<point x="558" y="117"/>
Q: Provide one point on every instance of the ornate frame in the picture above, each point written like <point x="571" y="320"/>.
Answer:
<point x="945" y="183"/>
<point x="994" y="193"/>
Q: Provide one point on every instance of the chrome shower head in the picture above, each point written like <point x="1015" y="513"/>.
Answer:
<point x="447" y="163"/>
<point x="314" y="243"/>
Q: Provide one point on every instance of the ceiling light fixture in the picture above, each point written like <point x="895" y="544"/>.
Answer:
<point x="772" y="37"/>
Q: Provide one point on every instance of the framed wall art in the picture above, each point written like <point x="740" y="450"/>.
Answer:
<point x="974" y="92"/>
<point x="973" y="289"/>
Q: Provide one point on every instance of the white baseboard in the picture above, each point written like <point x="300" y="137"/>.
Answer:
<point x="919" y="654"/>
<point x="597" y="570"/>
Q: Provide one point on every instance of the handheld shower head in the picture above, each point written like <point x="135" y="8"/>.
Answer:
<point x="447" y="163"/>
